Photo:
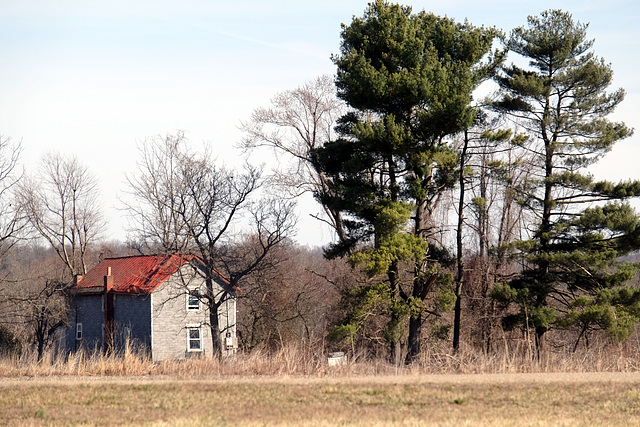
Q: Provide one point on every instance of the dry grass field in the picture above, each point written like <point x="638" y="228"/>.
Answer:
<point x="295" y="387"/>
<point x="403" y="400"/>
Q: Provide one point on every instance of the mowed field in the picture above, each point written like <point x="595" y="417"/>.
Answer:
<point x="406" y="400"/>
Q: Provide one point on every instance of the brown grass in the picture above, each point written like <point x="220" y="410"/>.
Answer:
<point x="295" y="386"/>
<point x="306" y="361"/>
<point x="447" y="400"/>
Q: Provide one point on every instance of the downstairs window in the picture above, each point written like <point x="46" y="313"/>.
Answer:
<point x="194" y="338"/>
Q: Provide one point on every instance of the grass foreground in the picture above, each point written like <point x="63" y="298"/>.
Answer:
<point x="606" y="398"/>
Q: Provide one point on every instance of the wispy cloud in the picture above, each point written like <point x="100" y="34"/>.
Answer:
<point x="300" y="47"/>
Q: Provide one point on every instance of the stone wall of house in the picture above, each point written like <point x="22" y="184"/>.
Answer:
<point x="87" y="310"/>
<point x="171" y="319"/>
<point x="132" y="321"/>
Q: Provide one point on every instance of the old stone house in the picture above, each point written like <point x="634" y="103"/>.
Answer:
<point x="153" y="302"/>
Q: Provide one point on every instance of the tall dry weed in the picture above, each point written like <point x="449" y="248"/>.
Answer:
<point x="301" y="360"/>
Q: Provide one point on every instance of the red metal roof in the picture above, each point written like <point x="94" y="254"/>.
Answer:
<point x="134" y="274"/>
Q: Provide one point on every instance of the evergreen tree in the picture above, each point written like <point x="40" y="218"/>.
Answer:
<point x="409" y="78"/>
<point x="572" y="274"/>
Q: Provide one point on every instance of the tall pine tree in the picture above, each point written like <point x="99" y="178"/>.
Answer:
<point x="572" y="274"/>
<point x="409" y="78"/>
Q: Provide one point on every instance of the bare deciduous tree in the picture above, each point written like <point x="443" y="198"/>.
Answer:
<point x="185" y="203"/>
<point x="296" y="123"/>
<point x="59" y="205"/>
<point x="34" y="300"/>
<point x="157" y="221"/>
<point x="62" y="206"/>
<point x="292" y="299"/>
<point x="11" y="221"/>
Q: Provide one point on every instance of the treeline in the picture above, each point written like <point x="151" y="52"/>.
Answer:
<point x="449" y="202"/>
<point x="458" y="219"/>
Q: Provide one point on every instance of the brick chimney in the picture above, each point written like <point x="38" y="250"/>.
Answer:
<point x="108" y="280"/>
<point x="109" y="300"/>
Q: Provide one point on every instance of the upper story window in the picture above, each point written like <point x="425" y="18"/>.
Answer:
<point x="78" y="331"/>
<point x="193" y="300"/>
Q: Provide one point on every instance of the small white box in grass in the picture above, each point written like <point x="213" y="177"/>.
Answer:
<point x="336" y="358"/>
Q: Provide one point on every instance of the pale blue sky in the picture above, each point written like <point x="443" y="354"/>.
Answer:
<point x="95" y="77"/>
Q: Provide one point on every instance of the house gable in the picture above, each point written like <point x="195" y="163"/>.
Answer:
<point x="172" y="319"/>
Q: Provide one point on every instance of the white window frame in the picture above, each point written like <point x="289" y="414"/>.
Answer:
<point x="78" y="331"/>
<point x="191" y="340"/>
<point x="193" y="293"/>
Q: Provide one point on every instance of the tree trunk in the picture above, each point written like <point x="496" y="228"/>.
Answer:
<point x="40" y="349"/>
<point x="415" y="332"/>
<point x="460" y="259"/>
<point x="457" y="312"/>
<point x="214" y="324"/>
<point x="420" y="291"/>
<point x="415" y="322"/>
<point x="540" y="340"/>
<point x="216" y="341"/>
<point x="40" y="338"/>
<point x="395" y="352"/>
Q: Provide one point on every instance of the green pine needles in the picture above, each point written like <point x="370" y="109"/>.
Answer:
<point x="572" y="276"/>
